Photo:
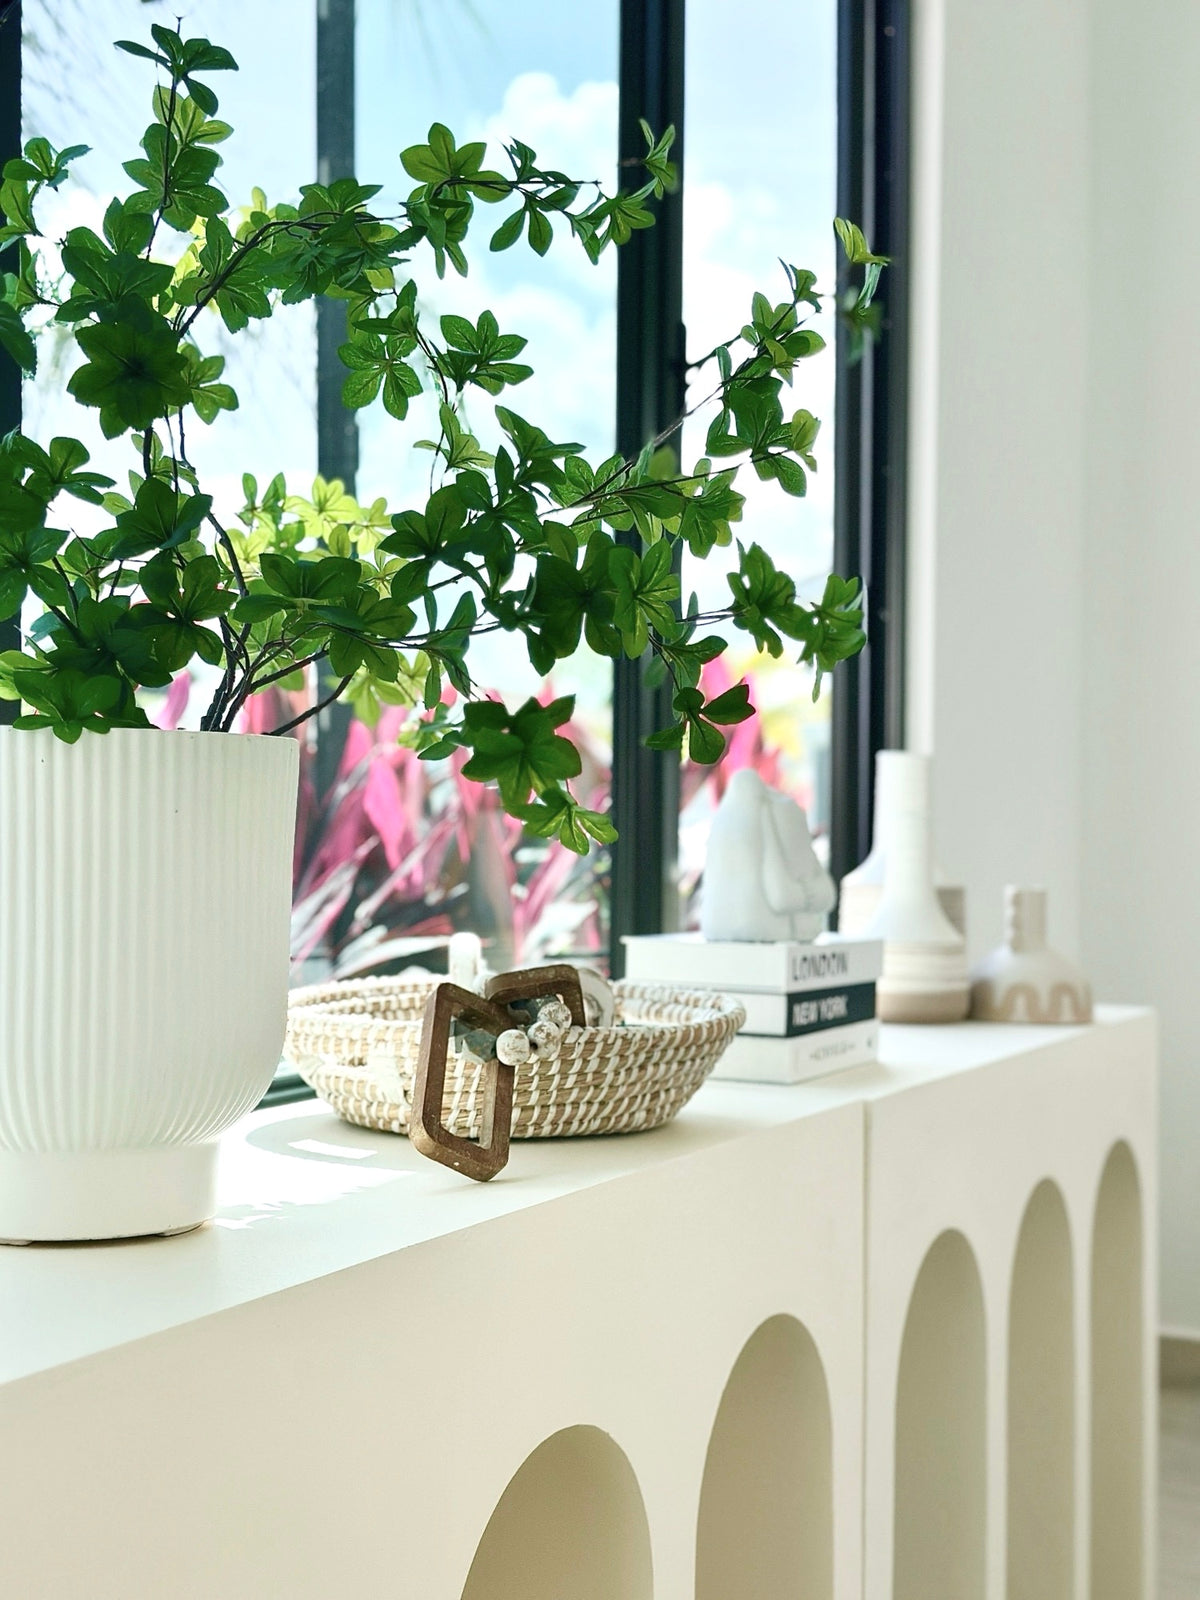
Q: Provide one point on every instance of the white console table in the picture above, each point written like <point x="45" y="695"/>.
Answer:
<point x="888" y="1334"/>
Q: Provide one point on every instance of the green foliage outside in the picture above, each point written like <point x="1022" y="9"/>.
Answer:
<point x="533" y="539"/>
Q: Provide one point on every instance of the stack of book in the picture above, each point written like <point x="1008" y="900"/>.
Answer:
<point x="810" y="1008"/>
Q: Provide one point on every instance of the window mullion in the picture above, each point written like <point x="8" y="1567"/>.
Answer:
<point x="10" y="374"/>
<point x="870" y="486"/>
<point x="337" y="425"/>
<point x="651" y="380"/>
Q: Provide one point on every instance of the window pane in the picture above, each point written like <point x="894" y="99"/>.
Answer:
<point x="760" y="184"/>
<point x="77" y="89"/>
<point x="444" y="856"/>
<point x="395" y="849"/>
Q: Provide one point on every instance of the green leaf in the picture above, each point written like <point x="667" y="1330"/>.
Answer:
<point x="16" y="340"/>
<point x="646" y="590"/>
<point x="787" y="473"/>
<point x="62" y="470"/>
<point x="16" y="205"/>
<point x="378" y="362"/>
<point x="420" y="162"/>
<point x="705" y="744"/>
<point x="732" y="706"/>
<point x="765" y="600"/>
<point x="509" y="231"/>
<point x="520" y="750"/>
<point x="854" y="244"/>
<point x="160" y="519"/>
<point x="663" y="173"/>
<point x="360" y="388"/>
<point x="131" y="47"/>
<point x="666" y="738"/>
<point x="400" y="385"/>
<point x="557" y="815"/>
<point x="707" y="514"/>
<point x="459" y="331"/>
<point x="541" y="234"/>
<point x="66" y="699"/>
<point x="134" y="372"/>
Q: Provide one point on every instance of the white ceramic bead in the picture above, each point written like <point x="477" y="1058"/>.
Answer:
<point x="546" y="1037"/>
<point x="513" y="1047"/>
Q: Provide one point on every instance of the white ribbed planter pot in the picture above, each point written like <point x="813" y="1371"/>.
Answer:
<point x="145" y="890"/>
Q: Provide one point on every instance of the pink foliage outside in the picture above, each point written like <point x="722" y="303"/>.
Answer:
<point x="400" y="853"/>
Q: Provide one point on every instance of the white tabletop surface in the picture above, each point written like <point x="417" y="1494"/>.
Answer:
<point x="304" y="1194"/>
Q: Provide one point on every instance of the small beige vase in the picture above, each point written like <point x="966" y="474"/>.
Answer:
<point x="1023" y="980"/>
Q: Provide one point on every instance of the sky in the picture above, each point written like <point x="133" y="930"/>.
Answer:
<point x="760" y="185"/>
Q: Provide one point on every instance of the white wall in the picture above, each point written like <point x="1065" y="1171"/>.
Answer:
<point x="1140" y="880"/>
<point x="999" y="346"/>
<point x="1056" y="557"/>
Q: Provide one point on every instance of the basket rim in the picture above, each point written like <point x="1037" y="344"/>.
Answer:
<point x="326" y="1005"/>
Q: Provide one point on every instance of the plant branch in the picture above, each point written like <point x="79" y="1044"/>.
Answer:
<point x="334" y="694"/>
<point x="174" y="456"/>
<point x="236" y="699"/>
<point x="429" y="351"/>
<point x="58" y="567"/>
<point x="172" y="100"/>
<point x="226" y="544"/>
<point x="313" y="223"/>
<point x="183" y="455"/>
<point x="216" y="704"/>
<point x="286" y="672"/>
<point x="235" y="651"/>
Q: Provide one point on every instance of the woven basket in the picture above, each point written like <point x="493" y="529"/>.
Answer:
<point x="357" y="1043"/>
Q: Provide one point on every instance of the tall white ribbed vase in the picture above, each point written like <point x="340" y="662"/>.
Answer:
<point x="145" y="890"/>
<point x="924" y="976"/>
<point x="860" y="891"/>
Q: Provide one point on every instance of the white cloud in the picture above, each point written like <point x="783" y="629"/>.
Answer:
<point x="732" y="244"/>
<point x="574" y="133"/>
<point x="562" y="304"/>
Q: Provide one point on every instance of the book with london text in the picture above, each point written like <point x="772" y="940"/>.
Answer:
<point x="782" y="966"/>
<point x="752" y="1059"/>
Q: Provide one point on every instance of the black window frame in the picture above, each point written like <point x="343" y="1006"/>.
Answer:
<point x="870" y="408"/>
<point x="10" y="373"/>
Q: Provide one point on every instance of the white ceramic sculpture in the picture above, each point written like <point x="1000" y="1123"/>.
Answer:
<point x="1023" y="980"/>
<point x="924" y="958"/>
<point x="762" y="879"/>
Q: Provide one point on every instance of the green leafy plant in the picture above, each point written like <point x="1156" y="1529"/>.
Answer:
<point x="531" y="538"/>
